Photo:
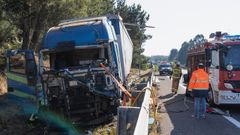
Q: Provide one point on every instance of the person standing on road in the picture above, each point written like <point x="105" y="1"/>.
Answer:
<point x="176" y="76"/>
<point x="199" y="85"/>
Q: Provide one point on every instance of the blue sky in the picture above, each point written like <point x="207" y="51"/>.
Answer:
<point x="177" y="21"/>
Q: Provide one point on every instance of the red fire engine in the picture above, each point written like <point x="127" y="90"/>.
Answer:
<point x="221" y="57"/>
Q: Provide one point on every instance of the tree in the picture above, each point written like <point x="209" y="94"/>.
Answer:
<point x="173" y="54"/>
<point x="33" y="17"/>
<point x="158" y="58"/>
<point x="28" y="20"/>
<point x="135" y="15"/>
<point x="182" y="57"/>
<point x="182" y="54"/>
<point x="9" y="33"/>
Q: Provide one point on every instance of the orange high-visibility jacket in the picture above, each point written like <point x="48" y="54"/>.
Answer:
<point x="199" y="80"/>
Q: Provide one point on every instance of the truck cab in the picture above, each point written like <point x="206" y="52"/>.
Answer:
<point x="220" y="57"/>
<point x="73" y="82"/>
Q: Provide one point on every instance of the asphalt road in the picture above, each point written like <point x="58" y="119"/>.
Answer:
<point x="175" y="113"/>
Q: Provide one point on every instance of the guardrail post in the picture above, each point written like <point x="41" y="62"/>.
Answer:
<point x="127" y="118"/>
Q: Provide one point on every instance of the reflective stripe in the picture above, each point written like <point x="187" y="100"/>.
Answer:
<point x="199" y="81"/>
<point x="200" y="88"/>
<point x="193" y="81"/>
<point x="176" y="72"/>
<point x="22" y="95"/>
<point x="17" y="77"/>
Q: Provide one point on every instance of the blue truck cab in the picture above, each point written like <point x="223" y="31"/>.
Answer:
<point x="74" y="49"/>
<point x="72" y="82"/>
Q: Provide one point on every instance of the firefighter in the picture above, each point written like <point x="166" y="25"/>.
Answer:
<point x="176" y="76"/>
<point x="199" y="85"/>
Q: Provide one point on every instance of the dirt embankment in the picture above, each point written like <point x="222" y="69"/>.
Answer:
<point x="3" y="84"/>
<point x="12" y="122"/>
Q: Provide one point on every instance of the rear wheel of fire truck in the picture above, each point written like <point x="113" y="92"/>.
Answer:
<point x="210" y="98"/>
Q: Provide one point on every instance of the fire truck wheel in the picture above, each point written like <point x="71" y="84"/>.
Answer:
<point x="210" y="98"/>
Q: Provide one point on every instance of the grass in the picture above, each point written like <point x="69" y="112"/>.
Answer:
<point x="109" y="129"/>
<point x="154" y="128"/>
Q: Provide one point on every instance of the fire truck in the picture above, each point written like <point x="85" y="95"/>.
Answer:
<point x="221" y="57"/>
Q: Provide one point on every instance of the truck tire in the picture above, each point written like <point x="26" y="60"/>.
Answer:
<point x="210" y="98"/>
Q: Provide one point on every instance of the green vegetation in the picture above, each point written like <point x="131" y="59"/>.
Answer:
<point x="135" y="15"/>
<point x="173" y="55"/>
<point x="181" y="55"/>
<point x="158" y="58"/>
<point x="24" y="22"/>
<point x="155" y="68"/>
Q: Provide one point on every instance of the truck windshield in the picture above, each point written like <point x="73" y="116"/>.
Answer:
<point x="80" y="57"/>
<point x="231" y="56"/>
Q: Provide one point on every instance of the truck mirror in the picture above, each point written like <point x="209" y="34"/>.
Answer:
<point x="31" y="71"/>
<point x="31" y="68"/>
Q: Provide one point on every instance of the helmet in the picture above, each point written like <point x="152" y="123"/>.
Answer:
<point x="177" y="63"/>
<point x="200" y="65"/>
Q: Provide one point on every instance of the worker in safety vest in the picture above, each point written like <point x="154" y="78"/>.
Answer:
<point x="199" y="85"/>
<point x="176" y="76"/>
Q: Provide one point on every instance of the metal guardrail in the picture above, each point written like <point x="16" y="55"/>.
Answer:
<point x="134" y="120"/>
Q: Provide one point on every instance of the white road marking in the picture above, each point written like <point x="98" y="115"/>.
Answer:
<point x="231" y="119"/>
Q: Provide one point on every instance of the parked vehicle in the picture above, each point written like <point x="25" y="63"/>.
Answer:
<point x="221" y="58"/>
<point x="165" y="69"/>
<point x="72" y="82"/>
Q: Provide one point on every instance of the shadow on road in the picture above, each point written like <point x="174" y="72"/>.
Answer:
<point x="180" y="109"/>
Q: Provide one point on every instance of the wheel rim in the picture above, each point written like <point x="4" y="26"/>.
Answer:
<point x="210" y="96"/>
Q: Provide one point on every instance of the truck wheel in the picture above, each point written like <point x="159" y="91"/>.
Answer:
<point x="210" y="98"/>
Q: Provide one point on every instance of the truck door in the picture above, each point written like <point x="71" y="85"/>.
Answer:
<point x="214" y="70"/>
<point x="21" y="73"/>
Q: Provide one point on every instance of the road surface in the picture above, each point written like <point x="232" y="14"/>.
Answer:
<point x="175" y="113"/>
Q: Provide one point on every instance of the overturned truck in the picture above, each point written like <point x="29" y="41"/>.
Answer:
<point x="73" y="83"/>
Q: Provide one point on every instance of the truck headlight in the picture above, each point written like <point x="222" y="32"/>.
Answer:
<point x="228" y="85"/>
<point x="229" y="67"/>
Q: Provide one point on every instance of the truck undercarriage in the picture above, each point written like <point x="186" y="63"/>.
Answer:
<point x="78" y="89"/>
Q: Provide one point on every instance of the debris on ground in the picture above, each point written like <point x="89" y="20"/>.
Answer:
<point x="12" y="122"/>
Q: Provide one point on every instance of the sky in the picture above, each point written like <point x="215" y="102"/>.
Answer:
<point x="177" y="21"/>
